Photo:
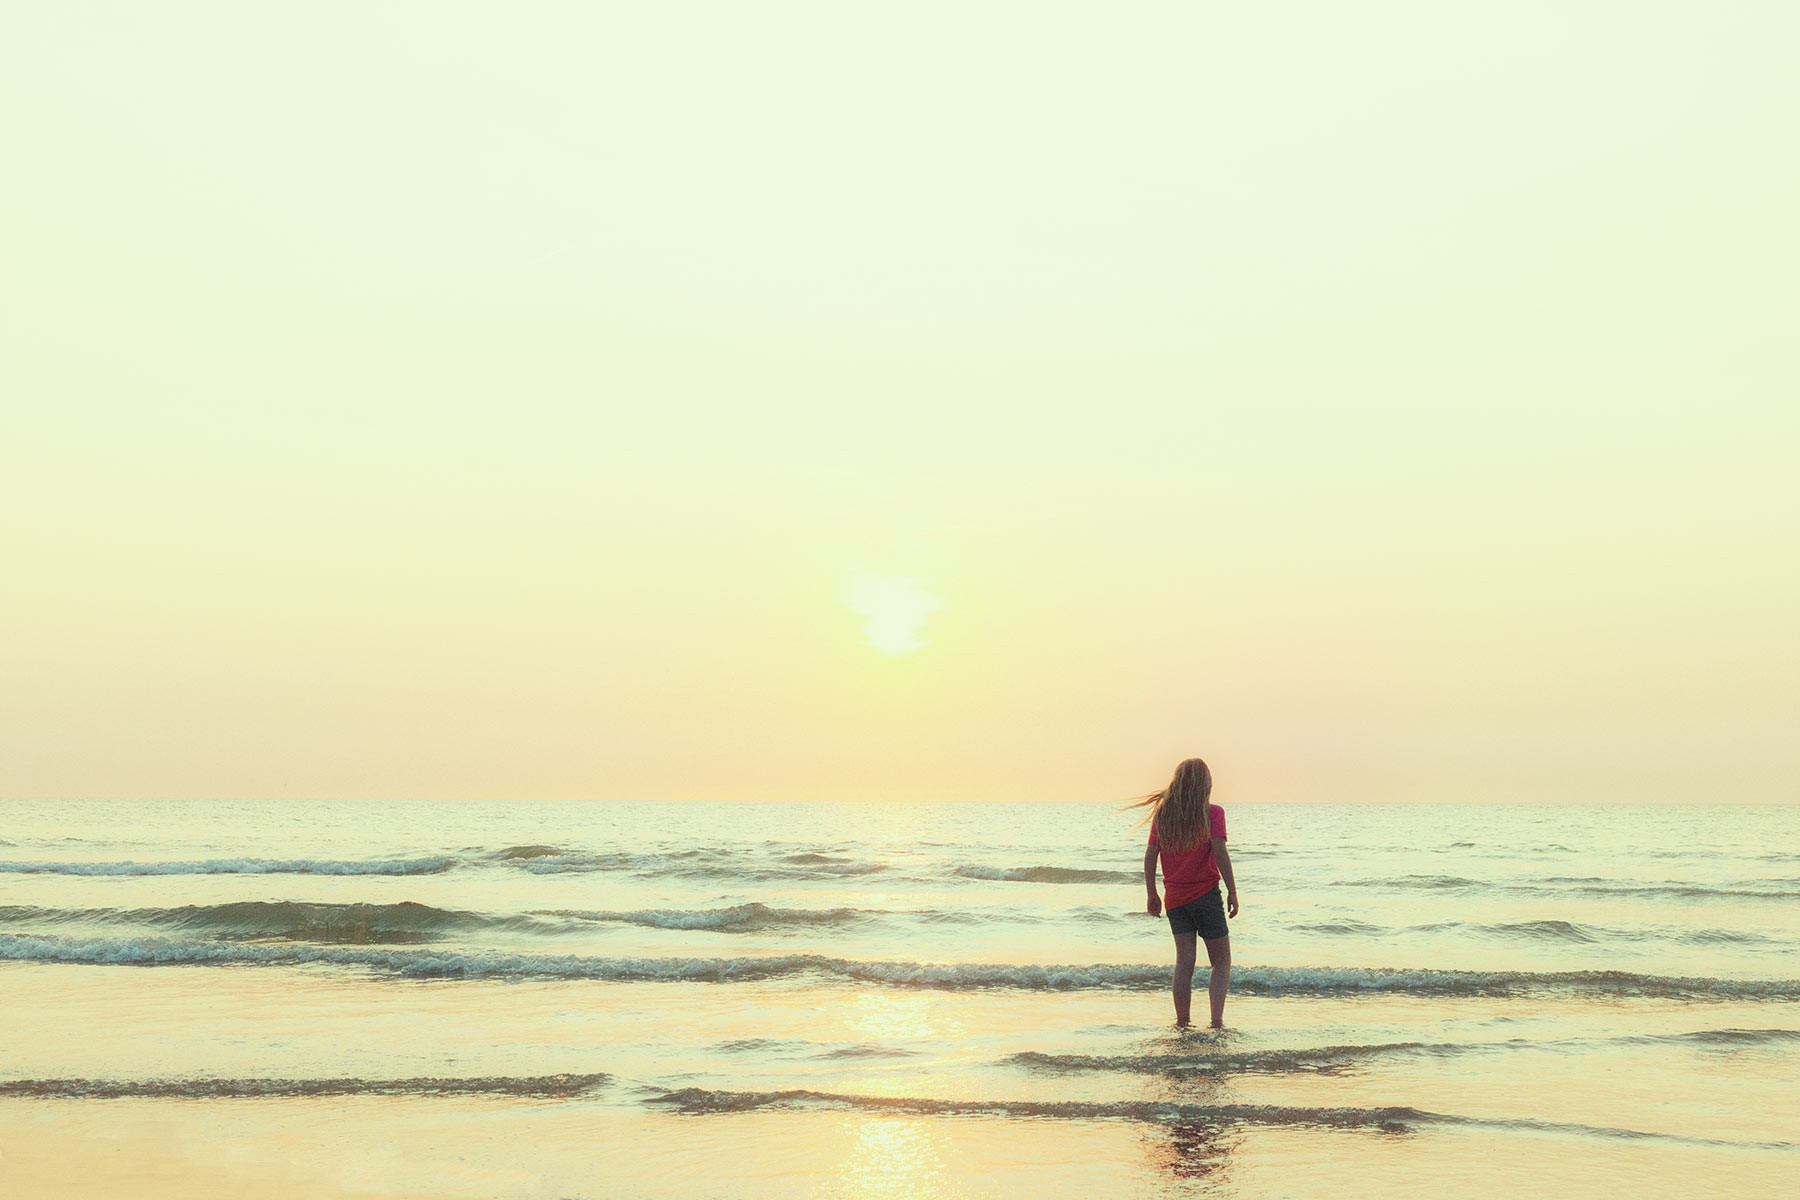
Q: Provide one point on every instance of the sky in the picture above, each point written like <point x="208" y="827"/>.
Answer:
<point x="886" y="402"/>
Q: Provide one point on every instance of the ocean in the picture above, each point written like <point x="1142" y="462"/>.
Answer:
<point x="852" y="999"/>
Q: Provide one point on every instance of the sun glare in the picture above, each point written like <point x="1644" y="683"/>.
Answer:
<point x="894" y="609"/>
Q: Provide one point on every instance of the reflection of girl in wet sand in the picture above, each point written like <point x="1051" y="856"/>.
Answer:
<point x="1188" y="831"/>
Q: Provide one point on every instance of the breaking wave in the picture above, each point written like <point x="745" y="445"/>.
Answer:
<point x="1553" y="931"/>
<point x="1328" y="1060"/>
<point x="230" y="1089"/>
<point x="1388" y="1119"/>
<point x="1585" y="886"/>
<point x="1429" y="882"/>
<point x="1047" y="875"/>
<point x="430" y="865"/>
<point x="707" y="1100"/>
<point x="1346" y="927"/>
<point x="1252" y="980"/>
<point x="739" y="918"/>
<point x="1719" y="1037"/>
<point x="1567" y="932"/>
<point x="553" y="860"/>
<point x="512" y="853"/>
<point x="863" y="1050"/>
<point x="1325" y="1060"/>
<point x="405" y="921"/>
<point x="1685" y="891"/>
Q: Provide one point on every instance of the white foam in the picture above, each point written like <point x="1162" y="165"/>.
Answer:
<point x="737" y="918"/>
<point x="240" y="866"/>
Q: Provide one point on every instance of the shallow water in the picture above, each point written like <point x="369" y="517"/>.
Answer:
<point x="857" y="999"/>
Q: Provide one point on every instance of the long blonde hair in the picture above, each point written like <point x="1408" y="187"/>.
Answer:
<point x="1183" y="810"/>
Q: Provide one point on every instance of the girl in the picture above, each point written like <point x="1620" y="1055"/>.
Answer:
<point x="1189" y="831"/>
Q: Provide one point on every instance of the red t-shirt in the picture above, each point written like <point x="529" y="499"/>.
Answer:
<point x="1187" y="877"/>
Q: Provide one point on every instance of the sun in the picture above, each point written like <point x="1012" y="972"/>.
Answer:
<point x="894" y="609"/>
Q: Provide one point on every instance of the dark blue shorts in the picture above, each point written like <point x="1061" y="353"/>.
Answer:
<point x="1204" y="915"/>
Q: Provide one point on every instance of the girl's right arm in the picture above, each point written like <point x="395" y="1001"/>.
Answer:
<point x="1153" y="903"/>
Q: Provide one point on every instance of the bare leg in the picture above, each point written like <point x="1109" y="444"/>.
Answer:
<point x="1185" y="954"/>
<point x="1218" y="952"/>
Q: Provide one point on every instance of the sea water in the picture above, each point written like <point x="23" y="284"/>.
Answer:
<point x="859" y="999"/>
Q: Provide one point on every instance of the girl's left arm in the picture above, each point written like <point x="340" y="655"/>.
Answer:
<point x="1153" y="902"/>
<point x="1222" y="856"/>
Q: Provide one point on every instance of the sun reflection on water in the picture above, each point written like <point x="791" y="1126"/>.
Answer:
<point x="888" y="1015"/>
<point x="893" y="1156"/>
